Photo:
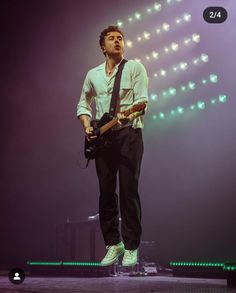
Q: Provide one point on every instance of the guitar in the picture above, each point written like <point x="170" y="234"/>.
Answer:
<point x="101" y="131"/>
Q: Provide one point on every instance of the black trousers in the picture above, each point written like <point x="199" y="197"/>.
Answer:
<point x="123" y="157"/>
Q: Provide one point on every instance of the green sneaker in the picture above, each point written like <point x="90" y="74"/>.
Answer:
<point x="113" y="253"/>
<point x="130" y="258"/>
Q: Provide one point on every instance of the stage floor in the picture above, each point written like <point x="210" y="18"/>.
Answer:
<point x="114" y="284"/>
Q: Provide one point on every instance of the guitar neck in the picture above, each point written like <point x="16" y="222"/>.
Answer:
<point x="113" y="122"/>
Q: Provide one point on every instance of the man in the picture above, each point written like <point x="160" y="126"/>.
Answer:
<point x="125" y="154"/>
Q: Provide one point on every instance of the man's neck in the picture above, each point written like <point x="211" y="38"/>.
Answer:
<point x="112" y="61"/>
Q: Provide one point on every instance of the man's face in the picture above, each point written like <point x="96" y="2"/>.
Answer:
<point x="113" y="44"/>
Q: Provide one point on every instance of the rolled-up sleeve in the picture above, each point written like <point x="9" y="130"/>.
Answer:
<point x="86" y="98"/>
<point x="140" y="83"/>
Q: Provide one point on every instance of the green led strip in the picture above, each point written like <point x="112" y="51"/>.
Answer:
<point x="39" y="263"/>
<point x="81" y="263"/>
<point x="229" y="268"/>
<point x="43" y="263"/>
<point x="196" y="264"/>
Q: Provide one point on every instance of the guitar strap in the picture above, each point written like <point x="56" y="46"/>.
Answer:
<point x="116" y="88"/>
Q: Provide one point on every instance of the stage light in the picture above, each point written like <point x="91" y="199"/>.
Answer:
<point x="175" y="68"/>
<point x="172" y="112"/>
<point x="158" y="31"/>
<point x="154" y="117"/>
<point x="155" y="55"/>
<point x="213" y="101"/>
<point x="178" y="20"/>
<point x="187" y="17"/>
<point x="166" y="26"/>
<point x="204" y="81"/>
<point x="174" y="47"/>
<point x="146" y="35"/>
<point x="162" y="72"/>
<point x="187" y="41"/>
<point x="196" y="38"/>
<point x="147" y="57"/>
<point x="155" y="74"/>
<point x="180" y="110"/>
<point x="201" y="105"/>
<point x="149" y="10"/>
<point x="183" y="65"/>
<point x="195" y="61"/>
<point x="213" y="78"/>
<point x="172" y="91"/>
<point x="222" y="98"/>
<point x="192" y="107"/>
<point x="129" y="44"/>
<point x="204" y="57"/>
<point x="120" y="23"/>
<point x="153" y="97"/>
<point x="192" y="85"/>
<point x="161" y="115"/>
<point x="183" y="88"/>
<point x="139" y="38"/>
<point x="157" y="6"/>
<point x="137" y="15"/>
<point x="166" y="50"/>
<point x="164" y="94"/>
<point x="130" y="19"/>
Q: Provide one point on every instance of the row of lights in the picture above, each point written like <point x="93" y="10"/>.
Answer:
<point x="191" y="85"/>
<point x="137" y="16"/>
<point x="200" y="105"/>
<point x="173" y="47"/>
<point x="181" y="66"/>
<point x="165" y="27"/>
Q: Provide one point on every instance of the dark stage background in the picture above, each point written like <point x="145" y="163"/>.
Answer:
<point x="187" y="183"/>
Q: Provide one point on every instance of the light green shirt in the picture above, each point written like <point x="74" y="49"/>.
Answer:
<point x="98" y="87"/>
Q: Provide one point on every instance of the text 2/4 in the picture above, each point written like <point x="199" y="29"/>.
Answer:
<point x="215" y="14"/>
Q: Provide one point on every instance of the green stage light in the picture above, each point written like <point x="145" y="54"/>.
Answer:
<point x="222" y="98"/>
<point x="161" y="115"/>
<point x="201" y="105"/>
<point x="153" y="97"/>
<point x="120" y="23"/>
<point x="172" y="91"/>
<point x="154" y="117"/>
<point x="192" y="107"/>
<point x="213" y="78"/>
<point x="157" y="6"/>
<point x="137" y="15"/>
<point x="204" y="57"/>
<point x="172" y="112"/>
<point x="213" y="101"/>
<point x="192" y="85"/>
<point x="204" y="81"/>
<point x="164" y="94"/>
<point x="180" y="110"/>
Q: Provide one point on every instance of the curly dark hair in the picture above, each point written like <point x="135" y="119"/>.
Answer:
<point x="111" y="28"/>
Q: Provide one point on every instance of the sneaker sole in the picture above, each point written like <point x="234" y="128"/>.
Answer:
<point x="110" y="263"/>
